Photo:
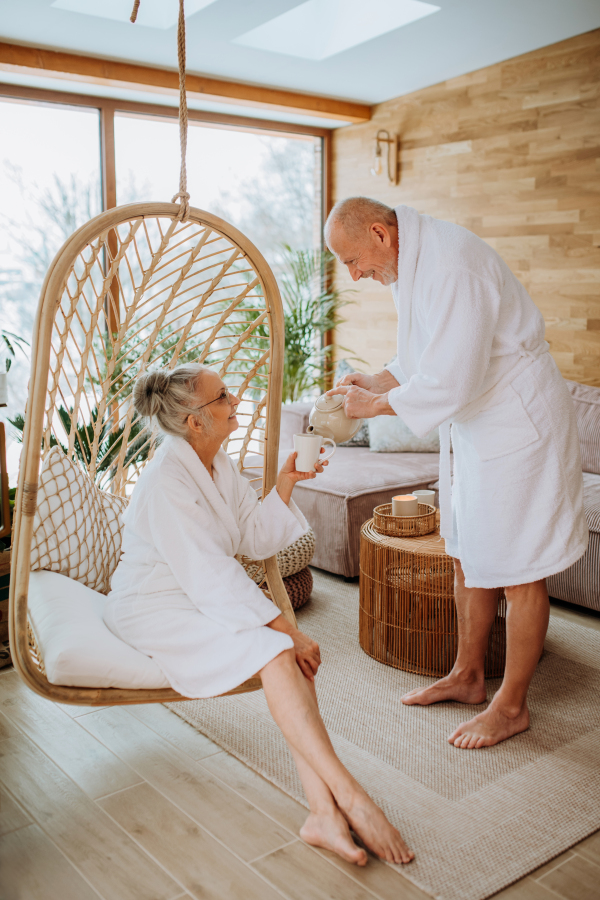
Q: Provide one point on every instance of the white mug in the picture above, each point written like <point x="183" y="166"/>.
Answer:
<point x="308" y="448"/>
<point x="425" y="497"/>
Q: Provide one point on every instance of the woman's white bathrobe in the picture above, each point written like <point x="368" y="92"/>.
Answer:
<point x="472" y="355"/>
<point x="178" y="593"/>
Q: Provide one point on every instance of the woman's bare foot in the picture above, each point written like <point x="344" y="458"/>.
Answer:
<point x="463" y="687"/>
<point x="490" y="727"/>
<point x="372" y="827"/>
<point x="330" y="831"/>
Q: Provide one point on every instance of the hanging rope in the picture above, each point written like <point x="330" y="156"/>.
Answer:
<point x="182" y="195"/>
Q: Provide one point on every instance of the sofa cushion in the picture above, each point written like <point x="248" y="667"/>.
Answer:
<point x="587" y="410"/>
<point x="580" y="582"/>
<point x="389" y="434"/>
<point x="76" y="646"/>
<point x="338" y="502"/>
<point x="591" y="501"/>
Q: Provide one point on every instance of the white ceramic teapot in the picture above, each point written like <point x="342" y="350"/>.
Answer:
<point x="328" y="418"/>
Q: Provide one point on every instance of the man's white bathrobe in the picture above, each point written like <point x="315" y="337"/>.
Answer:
<point x="472" y="356"/>
<point x="178" y="593"/>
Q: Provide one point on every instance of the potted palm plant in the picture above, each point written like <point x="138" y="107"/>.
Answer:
<point x="311" y="309"/>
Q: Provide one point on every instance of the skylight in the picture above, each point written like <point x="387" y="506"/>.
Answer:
<point x="318" y="29"/>
<point x="152" y="13"/>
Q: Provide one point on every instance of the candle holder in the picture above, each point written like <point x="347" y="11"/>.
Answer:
<point x="404" y="526"/>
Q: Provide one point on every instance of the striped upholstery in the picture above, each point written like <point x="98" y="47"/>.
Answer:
<point x="580" y="583"/>
<point x="587" y="410"/>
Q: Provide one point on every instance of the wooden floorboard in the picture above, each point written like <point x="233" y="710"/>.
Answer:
<point x="134" y="804"/>
<point x="204" y="866"/>
<point x="32" y="867"/>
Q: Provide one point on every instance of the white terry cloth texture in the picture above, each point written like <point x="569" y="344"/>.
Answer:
<point x="467" y="332"/>
<point x="178" y="594"/>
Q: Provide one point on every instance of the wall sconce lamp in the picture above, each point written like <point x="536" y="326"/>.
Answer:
<point x="383" y="137"/>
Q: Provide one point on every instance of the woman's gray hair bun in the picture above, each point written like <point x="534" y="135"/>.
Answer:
<point x="169" y="397"/>
<point x="149" y="391"/>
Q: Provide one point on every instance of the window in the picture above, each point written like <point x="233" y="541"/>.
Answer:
<point x="267" y="183"/>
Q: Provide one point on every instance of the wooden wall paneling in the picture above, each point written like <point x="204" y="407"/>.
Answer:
<point x="511" y="152"/>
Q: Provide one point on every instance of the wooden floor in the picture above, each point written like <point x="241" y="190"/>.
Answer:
<point x="134" y="804"/>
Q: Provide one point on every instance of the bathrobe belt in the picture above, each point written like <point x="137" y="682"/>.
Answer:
<point x="527" y="357"/>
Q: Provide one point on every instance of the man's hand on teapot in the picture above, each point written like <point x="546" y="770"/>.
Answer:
<point x="380" y="383"/>
<point x="359" y="379"/>
<point x="362" y="404"/>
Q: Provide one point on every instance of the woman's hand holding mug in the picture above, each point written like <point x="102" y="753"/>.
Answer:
<point x="290" y="473"/>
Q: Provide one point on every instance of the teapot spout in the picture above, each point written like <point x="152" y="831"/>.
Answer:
<point x="321" y="430"/>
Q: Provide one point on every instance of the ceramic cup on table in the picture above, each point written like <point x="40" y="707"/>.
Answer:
<point x="308" y="448"/>
<point x="425" y="497"/>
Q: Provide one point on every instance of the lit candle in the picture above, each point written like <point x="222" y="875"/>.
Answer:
<point x="405" y="505"/>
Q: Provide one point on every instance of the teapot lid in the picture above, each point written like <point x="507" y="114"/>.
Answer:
<point x="329" y="404"/>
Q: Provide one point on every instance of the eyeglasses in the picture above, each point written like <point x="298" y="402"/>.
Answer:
<point x="224" y="395"/>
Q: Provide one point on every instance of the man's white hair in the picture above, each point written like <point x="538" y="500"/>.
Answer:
<point x="355" y="215"/>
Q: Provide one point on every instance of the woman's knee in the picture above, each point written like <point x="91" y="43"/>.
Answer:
<point x="285" y="659"/>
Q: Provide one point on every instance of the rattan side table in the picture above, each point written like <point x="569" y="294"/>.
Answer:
<point x="407" y="613"/>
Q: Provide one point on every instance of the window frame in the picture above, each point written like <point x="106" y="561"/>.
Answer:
<point x="108" y="107"/>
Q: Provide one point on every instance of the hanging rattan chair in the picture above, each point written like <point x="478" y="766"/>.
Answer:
<point x="138" y="286"/>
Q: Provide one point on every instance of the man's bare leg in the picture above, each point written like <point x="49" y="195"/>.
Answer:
<point x="475" y="609"/>
<point x="293" y="706"/>
<point x="527" y="615"/>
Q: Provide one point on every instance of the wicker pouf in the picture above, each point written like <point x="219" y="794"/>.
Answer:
<point x="299" y="587"/>
<point x="407" y="612"/>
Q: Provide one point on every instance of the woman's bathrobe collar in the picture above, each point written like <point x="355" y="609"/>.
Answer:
<point x="181" y="534"/>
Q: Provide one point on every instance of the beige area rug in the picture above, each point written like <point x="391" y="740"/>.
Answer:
<point x="477" y="820"/>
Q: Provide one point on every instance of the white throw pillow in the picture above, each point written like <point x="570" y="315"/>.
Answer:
<point x="76" y="646"/>
<point x="77" y="528"/>
<point x="389" y="434"/>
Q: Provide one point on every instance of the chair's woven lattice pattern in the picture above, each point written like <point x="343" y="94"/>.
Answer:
<point x="152" y="292"/>
<point x="407" y="613"/>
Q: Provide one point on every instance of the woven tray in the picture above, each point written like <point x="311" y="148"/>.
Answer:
<point x="404" y="526"/>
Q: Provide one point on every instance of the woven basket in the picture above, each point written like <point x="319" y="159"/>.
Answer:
<point x="404" y="526"/>
<point x="407" y="616"/>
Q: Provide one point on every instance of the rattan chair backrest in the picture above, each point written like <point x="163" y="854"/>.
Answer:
<point x="135" y="288"/>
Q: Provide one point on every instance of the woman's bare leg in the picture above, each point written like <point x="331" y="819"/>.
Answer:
<point x="326" y="826"/>
<point x="294" y="709"/>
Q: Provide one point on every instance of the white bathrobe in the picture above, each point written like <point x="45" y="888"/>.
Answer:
<point x="178" y="593"/>
<point x="472" y="355"/>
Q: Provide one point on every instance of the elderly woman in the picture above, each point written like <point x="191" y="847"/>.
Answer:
<point x="180" y="596"/>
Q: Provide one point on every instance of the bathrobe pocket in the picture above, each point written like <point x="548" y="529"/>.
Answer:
<point x="503" y="427"/>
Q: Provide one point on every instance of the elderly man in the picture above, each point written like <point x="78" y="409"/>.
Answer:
<point x="472" y="357"/>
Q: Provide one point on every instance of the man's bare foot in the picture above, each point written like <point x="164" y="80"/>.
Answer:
<point x="490" y="727"/>
<point x="372" y="827"/>
<point x="331" y="832"/>
<point x="455" y="686"/>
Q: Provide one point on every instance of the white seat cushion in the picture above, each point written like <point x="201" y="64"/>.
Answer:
<point x="77" y="648"/>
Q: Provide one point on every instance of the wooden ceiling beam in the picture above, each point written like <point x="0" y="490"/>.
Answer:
<point x="93" y="70"/>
